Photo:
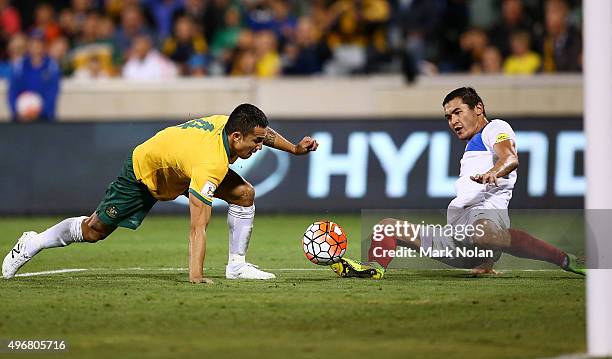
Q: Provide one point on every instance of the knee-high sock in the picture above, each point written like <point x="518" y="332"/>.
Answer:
<point x="240" y="224"/>
<point x="523" y="245"/>
<point x="60" y="235"/>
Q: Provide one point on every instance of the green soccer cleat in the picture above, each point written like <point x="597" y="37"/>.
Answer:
<point x="347" y="268"/>
<point x="574" y="264"/>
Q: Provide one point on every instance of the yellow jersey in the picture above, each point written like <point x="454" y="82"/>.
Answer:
<point x="193" y="155"/>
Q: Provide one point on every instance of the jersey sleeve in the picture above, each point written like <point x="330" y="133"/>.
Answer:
<point x="495" y="132"/>
<point x="205" y="179"/>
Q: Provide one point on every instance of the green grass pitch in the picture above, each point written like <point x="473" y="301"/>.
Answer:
<point x="134" y="301"/>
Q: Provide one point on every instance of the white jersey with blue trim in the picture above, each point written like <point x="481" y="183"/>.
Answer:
<point x="479" y="157"/>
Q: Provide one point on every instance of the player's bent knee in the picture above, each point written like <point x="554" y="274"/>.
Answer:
<point x="246" y="195"/>
<point x="93" y="236"/>
<point x="94" y="230"/>
<point x="489" y="235"/>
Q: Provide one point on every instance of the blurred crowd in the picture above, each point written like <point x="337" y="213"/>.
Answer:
<point x="166" y="38"/>
<point x="161" y="39"/>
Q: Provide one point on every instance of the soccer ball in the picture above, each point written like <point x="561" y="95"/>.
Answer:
<point x="29" y="105"/>
<point x="324" y="243"/>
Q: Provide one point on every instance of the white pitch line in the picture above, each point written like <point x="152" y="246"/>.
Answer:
<point x="186" y="269"/>
<point x="72" y="270"/>
<point x="572" y="356"/>
<point x="51" y="272"/>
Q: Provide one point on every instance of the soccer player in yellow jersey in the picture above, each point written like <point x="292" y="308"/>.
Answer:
<point x="190" y="159"/>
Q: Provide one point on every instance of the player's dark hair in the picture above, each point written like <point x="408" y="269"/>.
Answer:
<point x="468" y="95"/>
<point x="245" y="118"/>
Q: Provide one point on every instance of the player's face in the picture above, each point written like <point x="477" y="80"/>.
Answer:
<point x="462" y="119"/>
<point x="245" y="146"/>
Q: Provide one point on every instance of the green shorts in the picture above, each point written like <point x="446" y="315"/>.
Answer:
<point x="127" y="201"/>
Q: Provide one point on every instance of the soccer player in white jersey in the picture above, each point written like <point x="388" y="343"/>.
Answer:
<point x="484" y="190"/>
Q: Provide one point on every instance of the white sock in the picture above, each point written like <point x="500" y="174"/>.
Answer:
<point x="240" y="224"/>
<point x="60" y="235"/>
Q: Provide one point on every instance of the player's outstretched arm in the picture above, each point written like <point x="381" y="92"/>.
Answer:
<point x="275" y="140"/>
<point x="200" y="216"/>
<point x="507" y="162"/>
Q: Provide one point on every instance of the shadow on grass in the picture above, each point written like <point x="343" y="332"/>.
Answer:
<point x="455" y="274"/>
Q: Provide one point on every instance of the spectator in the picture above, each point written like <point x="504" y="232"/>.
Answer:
<point x="80" y="10"/>
<point x="226" y="37"/>
<point x="455" y="22"/>
<point x="132" y="25"/>
<point x="10" y="21"/>
<point x="207" y="15"/>
<point x="562" y="43"/>
<point x="302" y="57"/>
<point x="44" y="22"/>
<point x="321" y="22"/>
<point x="334" y="36"/>
<point x="93" y="70"/>
<point x="35" y="72"/>
<point x="16" y="49"/>
<point x="58" y="51"/>
<point x="105" y="35"/>
<point x="514" y="19"/>
<point x="345" y="38"/>
<point x="214" y="17"/>
<point x="358" y="34"/>
<point x="233" y="59"/>
<point x="268" y="60"/>
<point x="89" y="30"/>
<point x="10" y="24"/>
<point x="522" y="61"/>
<point x="283" y="22"/>
<point x="68" y="24"/>
<point x="244" y="64"/>
<point x="162" y="12"/>
<point x="105" y="29"/>
<point x="490" y="62"/>
<point x="198" y="65"/>
<point x="115" y="8"/>
<point x="418" y="21"/>
<point x="184" y="44"/>
<point x="473" y="43"/>
<point x="94" y="43"/>
<point x="146" y="63"/>
<point x="345" y="26"/>
<point x="259" y="15"/>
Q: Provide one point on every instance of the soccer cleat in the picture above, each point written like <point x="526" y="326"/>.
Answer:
<point x="574" y="264"/>
<point x="347" y="268"/>
<point x="246" y="271"/>
<point x="17" y="257"/>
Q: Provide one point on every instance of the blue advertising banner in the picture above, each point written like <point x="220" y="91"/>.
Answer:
<point x="386" y="164"/>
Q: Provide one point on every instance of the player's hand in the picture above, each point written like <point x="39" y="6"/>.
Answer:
<point x="485" y="178"/>
<point x="478" y="271"/>
<point x="307" y="144"/>
<point x="201" y="281"/>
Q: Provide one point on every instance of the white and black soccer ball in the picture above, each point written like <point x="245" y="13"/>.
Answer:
<point x="324" y="242"/>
